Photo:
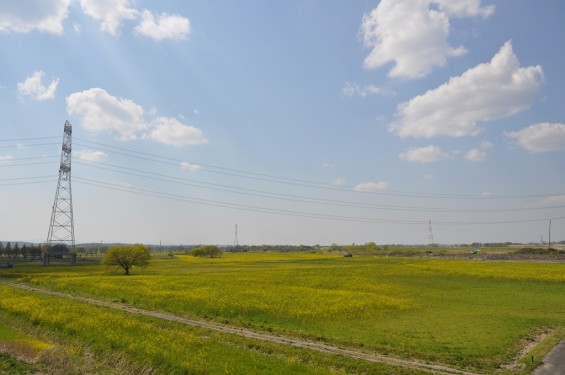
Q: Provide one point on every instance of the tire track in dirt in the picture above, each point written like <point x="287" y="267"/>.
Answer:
<point x="299" y="343"/>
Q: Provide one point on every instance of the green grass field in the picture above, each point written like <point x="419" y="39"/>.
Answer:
<point x="466" y="314"/>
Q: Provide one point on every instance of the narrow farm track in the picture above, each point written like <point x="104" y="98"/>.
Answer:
<point x="436" y="369"/>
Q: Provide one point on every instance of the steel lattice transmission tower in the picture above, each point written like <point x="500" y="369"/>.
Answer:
<point x="430" y="234"/>
<point x="61" y="229"/>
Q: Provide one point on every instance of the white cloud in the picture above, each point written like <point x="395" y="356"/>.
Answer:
<point x="486" y="145"/>
<point x="553" y="200"/>
<point x="486" y="194"/>
<point x="49" y="16"/>
<point x="339" y="182"/>
<point x="488" y="91"/>
<point x="411" y="34"/>
<point x="189" y="166"/>
<point x="465" y="8"/>
<point x="170" y="131"/>
<point x="479" y="154"/>
<point x="25" y="16"/>
<point x="476" y="155"/>
<point x="166" y="27"/>
<point x="89" y="155"/>
<point x="101" y="112"/>
<point x="351" y="89"/>
<point x="543" y="137"/>
<point x="33" y="87"/>
<point x="4" y="159"/>
<point x="371" y="186"/>
<point x="110" y="13"/>
<point x="423" y="154"/>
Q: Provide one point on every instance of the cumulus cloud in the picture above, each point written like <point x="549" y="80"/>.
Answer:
<point x="33" y="87"/>
<point x="351" y="89"/>
<point x="49" y="16"/>
<point x="25" y="16"/>
<point x="371" y="186"/>
<point x="90" y="155"/>
<point x="543" y="137"/>
<point x="101" y="112"/>
<point x="170" y="131"/>
<point x="478" y="154"/>
<point x="167" y="26"/>
<point x="189" y="166"/>
<point x="413" y="34"/>
<point x="488" y="91"/>
<point x="110" y="13"/>
<point x="423" y="154"/>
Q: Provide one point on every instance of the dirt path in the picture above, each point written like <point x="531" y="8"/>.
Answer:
<point x="437" y="369"/>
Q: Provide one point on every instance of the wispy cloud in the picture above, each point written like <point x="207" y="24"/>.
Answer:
<point x="371" y="186"/>
<point x="340" y="182"/>
<point x="426" y="154"/>
<point x="90" y="155"/>
<point x="189" y="166"/>
<point x="351" y="89"/>
<point x="554" y="200"/>
<point x="5" y="159"/>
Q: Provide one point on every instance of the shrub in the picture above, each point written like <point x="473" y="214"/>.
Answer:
<point x="210" y="251"/>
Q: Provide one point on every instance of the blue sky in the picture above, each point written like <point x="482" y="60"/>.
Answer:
<point x="303" y="122"/>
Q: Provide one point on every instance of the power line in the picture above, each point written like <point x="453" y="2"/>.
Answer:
<point x="27" y="139"/>
<point x="294" y="198"/>
<point x="207" y="202"/>
<point x="292" y="181"/>
<point x="265" y="177"/>
<point x="243" y="207"/>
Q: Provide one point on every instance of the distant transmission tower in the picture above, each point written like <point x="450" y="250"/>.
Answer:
<point x="235" y="241"/>
<point x="61" y="236"/>
<point x="430" y="234"/>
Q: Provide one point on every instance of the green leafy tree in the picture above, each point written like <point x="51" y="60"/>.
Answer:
<point x="127" y="256"/>
<point x="210" y="251"/>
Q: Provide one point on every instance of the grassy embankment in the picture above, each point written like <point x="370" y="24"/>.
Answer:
<point x="474" y="315"/>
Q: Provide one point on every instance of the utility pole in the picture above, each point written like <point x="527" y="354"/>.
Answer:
<point x="236" y="241"/>
<point x="549" y="240"/>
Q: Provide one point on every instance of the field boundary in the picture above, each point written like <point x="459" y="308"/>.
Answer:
<point x="299" y="343"/>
